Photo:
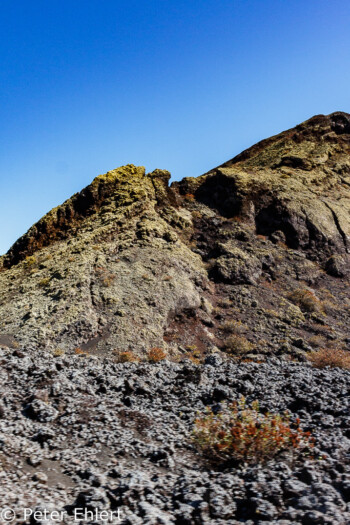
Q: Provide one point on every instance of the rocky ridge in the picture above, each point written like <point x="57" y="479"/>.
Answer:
<point x="130" y="263"/>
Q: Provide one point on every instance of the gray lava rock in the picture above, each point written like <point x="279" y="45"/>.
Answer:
<point x="96" y="451"/>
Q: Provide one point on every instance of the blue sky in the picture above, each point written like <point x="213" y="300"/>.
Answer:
<point x="89" y="85"/>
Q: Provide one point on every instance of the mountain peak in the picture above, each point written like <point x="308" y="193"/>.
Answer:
<point x="307" y="142"/>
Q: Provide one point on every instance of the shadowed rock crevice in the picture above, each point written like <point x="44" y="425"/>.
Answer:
<point x="339" y="228"/>
<point x="275" y="218"/>
<point x="220" y="192"/>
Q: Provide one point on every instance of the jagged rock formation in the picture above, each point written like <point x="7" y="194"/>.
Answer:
<point x="130" y="263"/>
<point x="103" y="268"/>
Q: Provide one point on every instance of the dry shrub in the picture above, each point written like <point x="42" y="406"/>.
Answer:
<point x="194" y="354"/>
<point x="189" y="197"/>
<point x="30" y="262"/>
<point x="225" y="303"/>
<point x="106" y="277"/>
<point x="238" y="345"/>
<point x="58" y="352"/>
<point x="195" y="360"/>
<point x="306" y="300"/>
<point x="245" y="434"/>
<point x="233" y="327"/>
<point x="126" y="357"/>
<point x="333" y="357"/>
<point x="322" y="329"/>
<point x="79" y="351"/>
<point x="107" y="281"/>
<point x="156" y="354"/>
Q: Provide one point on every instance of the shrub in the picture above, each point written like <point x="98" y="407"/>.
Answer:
<point x="127" y="357"/>
<point x="156" y="354"/>
<point x="233" y="327"/>
<point x="236" y="344"/>
<point x="333" y="357"/>
<point x="245" y="434"/>
<point x="106" y="277"/>
<point x="225" y="303"/>
<point x="195" y="360"/>
<point x="58" y="352"/>
<point x="316" y="341"/>
<point x="79" y="351"/>
<point x="306" y="300"/>
<point x="107" y="281"/>
<point x="189" y="197"/>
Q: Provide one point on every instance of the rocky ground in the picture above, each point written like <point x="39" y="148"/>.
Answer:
<point x="79" y="432"/>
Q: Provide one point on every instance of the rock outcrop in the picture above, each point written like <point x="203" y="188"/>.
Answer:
<point x="129" y="263"/>
<point x="297" y="183"/>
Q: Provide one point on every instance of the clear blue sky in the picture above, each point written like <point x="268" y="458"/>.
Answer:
<point x="89" y="85"/>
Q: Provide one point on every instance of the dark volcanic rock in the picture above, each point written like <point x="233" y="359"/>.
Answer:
<point x="100" y="453"/>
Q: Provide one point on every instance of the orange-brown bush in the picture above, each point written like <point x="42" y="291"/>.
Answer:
<point x="79" y="351"/>
<point x="333" y="357"/>
<point x="189" y="197"/>
<point x="156" y="354"/>
<point x="245" y="434"/>
<point x="126" y="357"/>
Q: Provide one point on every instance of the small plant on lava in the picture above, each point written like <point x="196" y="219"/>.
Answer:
<point x="126" y="357"/>
<point x="156" y="354"/>
<point x="237" y="345"/>
<point x="332" y="357"/>
<point x="245" y="434"/>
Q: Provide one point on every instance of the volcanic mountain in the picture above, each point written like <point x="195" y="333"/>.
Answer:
<point x="156" y="345"/>
<point x="251" y="257"/>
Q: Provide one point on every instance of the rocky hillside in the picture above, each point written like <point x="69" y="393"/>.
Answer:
<point x="251" y="257"/>
<point x="216" y="287"/>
